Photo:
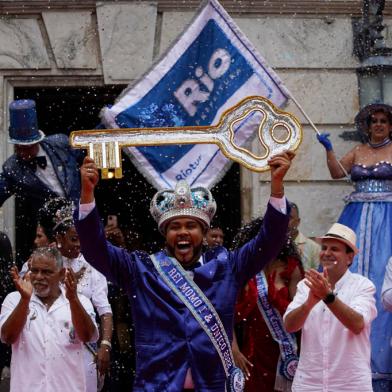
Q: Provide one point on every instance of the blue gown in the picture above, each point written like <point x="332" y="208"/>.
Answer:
<point x="369" y="213"/>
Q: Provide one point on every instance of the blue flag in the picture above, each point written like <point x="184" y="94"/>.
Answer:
<point x="210" y="68"/>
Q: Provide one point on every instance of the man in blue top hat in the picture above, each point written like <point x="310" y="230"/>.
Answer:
<point x="183" y="300"/>
<point x="41" y="167"/>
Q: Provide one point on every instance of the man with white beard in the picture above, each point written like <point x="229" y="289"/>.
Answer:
<point x="47" y="327"/>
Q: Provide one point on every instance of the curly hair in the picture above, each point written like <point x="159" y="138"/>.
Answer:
<point x="55" y="217"/>
<point x="378" y="110"/>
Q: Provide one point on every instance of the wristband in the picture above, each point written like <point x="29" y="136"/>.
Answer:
<point x="106" y="343"/>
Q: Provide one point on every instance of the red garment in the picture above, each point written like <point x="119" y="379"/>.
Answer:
<point x="258" y="346"/>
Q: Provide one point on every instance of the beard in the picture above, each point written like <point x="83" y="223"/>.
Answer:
<point x="41" y="292"/>
<point x="196" y="252"/>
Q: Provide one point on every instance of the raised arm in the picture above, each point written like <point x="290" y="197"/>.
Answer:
<point x="255" y="254"/>
<point x="89" y="177"/>
<point x="350" y="318"/>
<point x="279" y="165"/>
<point x="81" y="320"/>
<point x="354" y="316"/>
<point x="299" y="309"/>
<point x="16" y="321"/>
<point x="113" y="262"/>
<point x="333" y="164"/>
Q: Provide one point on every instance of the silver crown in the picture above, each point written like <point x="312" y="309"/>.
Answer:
<point x="183" y="201"/>
<point x="64" y="215"/>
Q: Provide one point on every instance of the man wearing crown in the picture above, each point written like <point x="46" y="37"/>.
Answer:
<point x="183" y="300"/>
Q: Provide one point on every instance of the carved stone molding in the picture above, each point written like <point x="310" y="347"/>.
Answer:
<point x="266" y="7"/>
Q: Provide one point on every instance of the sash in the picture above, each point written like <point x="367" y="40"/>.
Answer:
<point x="204" y="312"/>
<point x="288" y="360"/>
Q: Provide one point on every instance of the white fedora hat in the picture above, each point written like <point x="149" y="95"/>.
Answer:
<point x="342" y="233"/>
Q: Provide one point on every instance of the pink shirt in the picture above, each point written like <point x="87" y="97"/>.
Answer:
<point x="332" y="357"/>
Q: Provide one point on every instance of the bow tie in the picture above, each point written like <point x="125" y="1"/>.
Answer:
<point x="37" y="161"/>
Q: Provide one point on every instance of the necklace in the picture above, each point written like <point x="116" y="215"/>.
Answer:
<point x="385" y="142"/>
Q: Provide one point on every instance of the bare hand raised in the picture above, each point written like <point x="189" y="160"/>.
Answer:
<point x="280" y="164"/>
<point x="71" y="285"/>
<point x="24" y="286"/>
<point x="318" y="283"/>
<point x="89" y="178"/>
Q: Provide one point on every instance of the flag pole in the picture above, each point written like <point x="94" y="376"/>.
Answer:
<point x="317" y="131"/>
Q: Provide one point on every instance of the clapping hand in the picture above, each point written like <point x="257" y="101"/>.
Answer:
<point x="71" y="285"/>
<point x="318" y="283"/>
<point x="24" y="286"/>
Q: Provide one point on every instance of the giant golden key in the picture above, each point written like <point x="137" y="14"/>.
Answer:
<point x="277" y="131"/>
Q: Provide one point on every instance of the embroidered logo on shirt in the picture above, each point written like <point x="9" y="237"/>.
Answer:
<point x="72" y="335"/>
<point x="32" y="317"/>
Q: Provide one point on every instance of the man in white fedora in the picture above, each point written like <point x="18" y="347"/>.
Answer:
<point x="334" y="309"/>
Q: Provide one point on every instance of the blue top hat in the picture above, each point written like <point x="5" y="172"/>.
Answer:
<point x="23" y="123"/>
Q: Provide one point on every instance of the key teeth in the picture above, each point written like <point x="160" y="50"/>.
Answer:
<point x="105" y="174"/>
<point x="109" y="174"/>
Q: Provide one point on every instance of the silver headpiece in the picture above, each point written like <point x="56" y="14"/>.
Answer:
<point x="63" y="215"/>
<point x="196" y="203"/>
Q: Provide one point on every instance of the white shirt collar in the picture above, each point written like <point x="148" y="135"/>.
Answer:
<point x="343" y="279"/>
<point x="59" y="301"/>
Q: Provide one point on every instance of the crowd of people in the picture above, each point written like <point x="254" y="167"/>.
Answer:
<point x="273" y="311"/>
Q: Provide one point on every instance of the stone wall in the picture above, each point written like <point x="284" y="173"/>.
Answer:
<point x="58" y="44"/>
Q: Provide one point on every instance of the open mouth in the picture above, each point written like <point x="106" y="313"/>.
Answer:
<point x="183" y="246"/>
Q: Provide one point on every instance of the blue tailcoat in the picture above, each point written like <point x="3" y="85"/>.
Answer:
<point x="17" y="177"/>
<point x="168" y="338"/>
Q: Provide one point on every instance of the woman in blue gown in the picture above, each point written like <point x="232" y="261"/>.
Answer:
<point x="368" y="212"/>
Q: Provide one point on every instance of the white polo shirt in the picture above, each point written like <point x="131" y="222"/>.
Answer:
<point x="48" y="356"/>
